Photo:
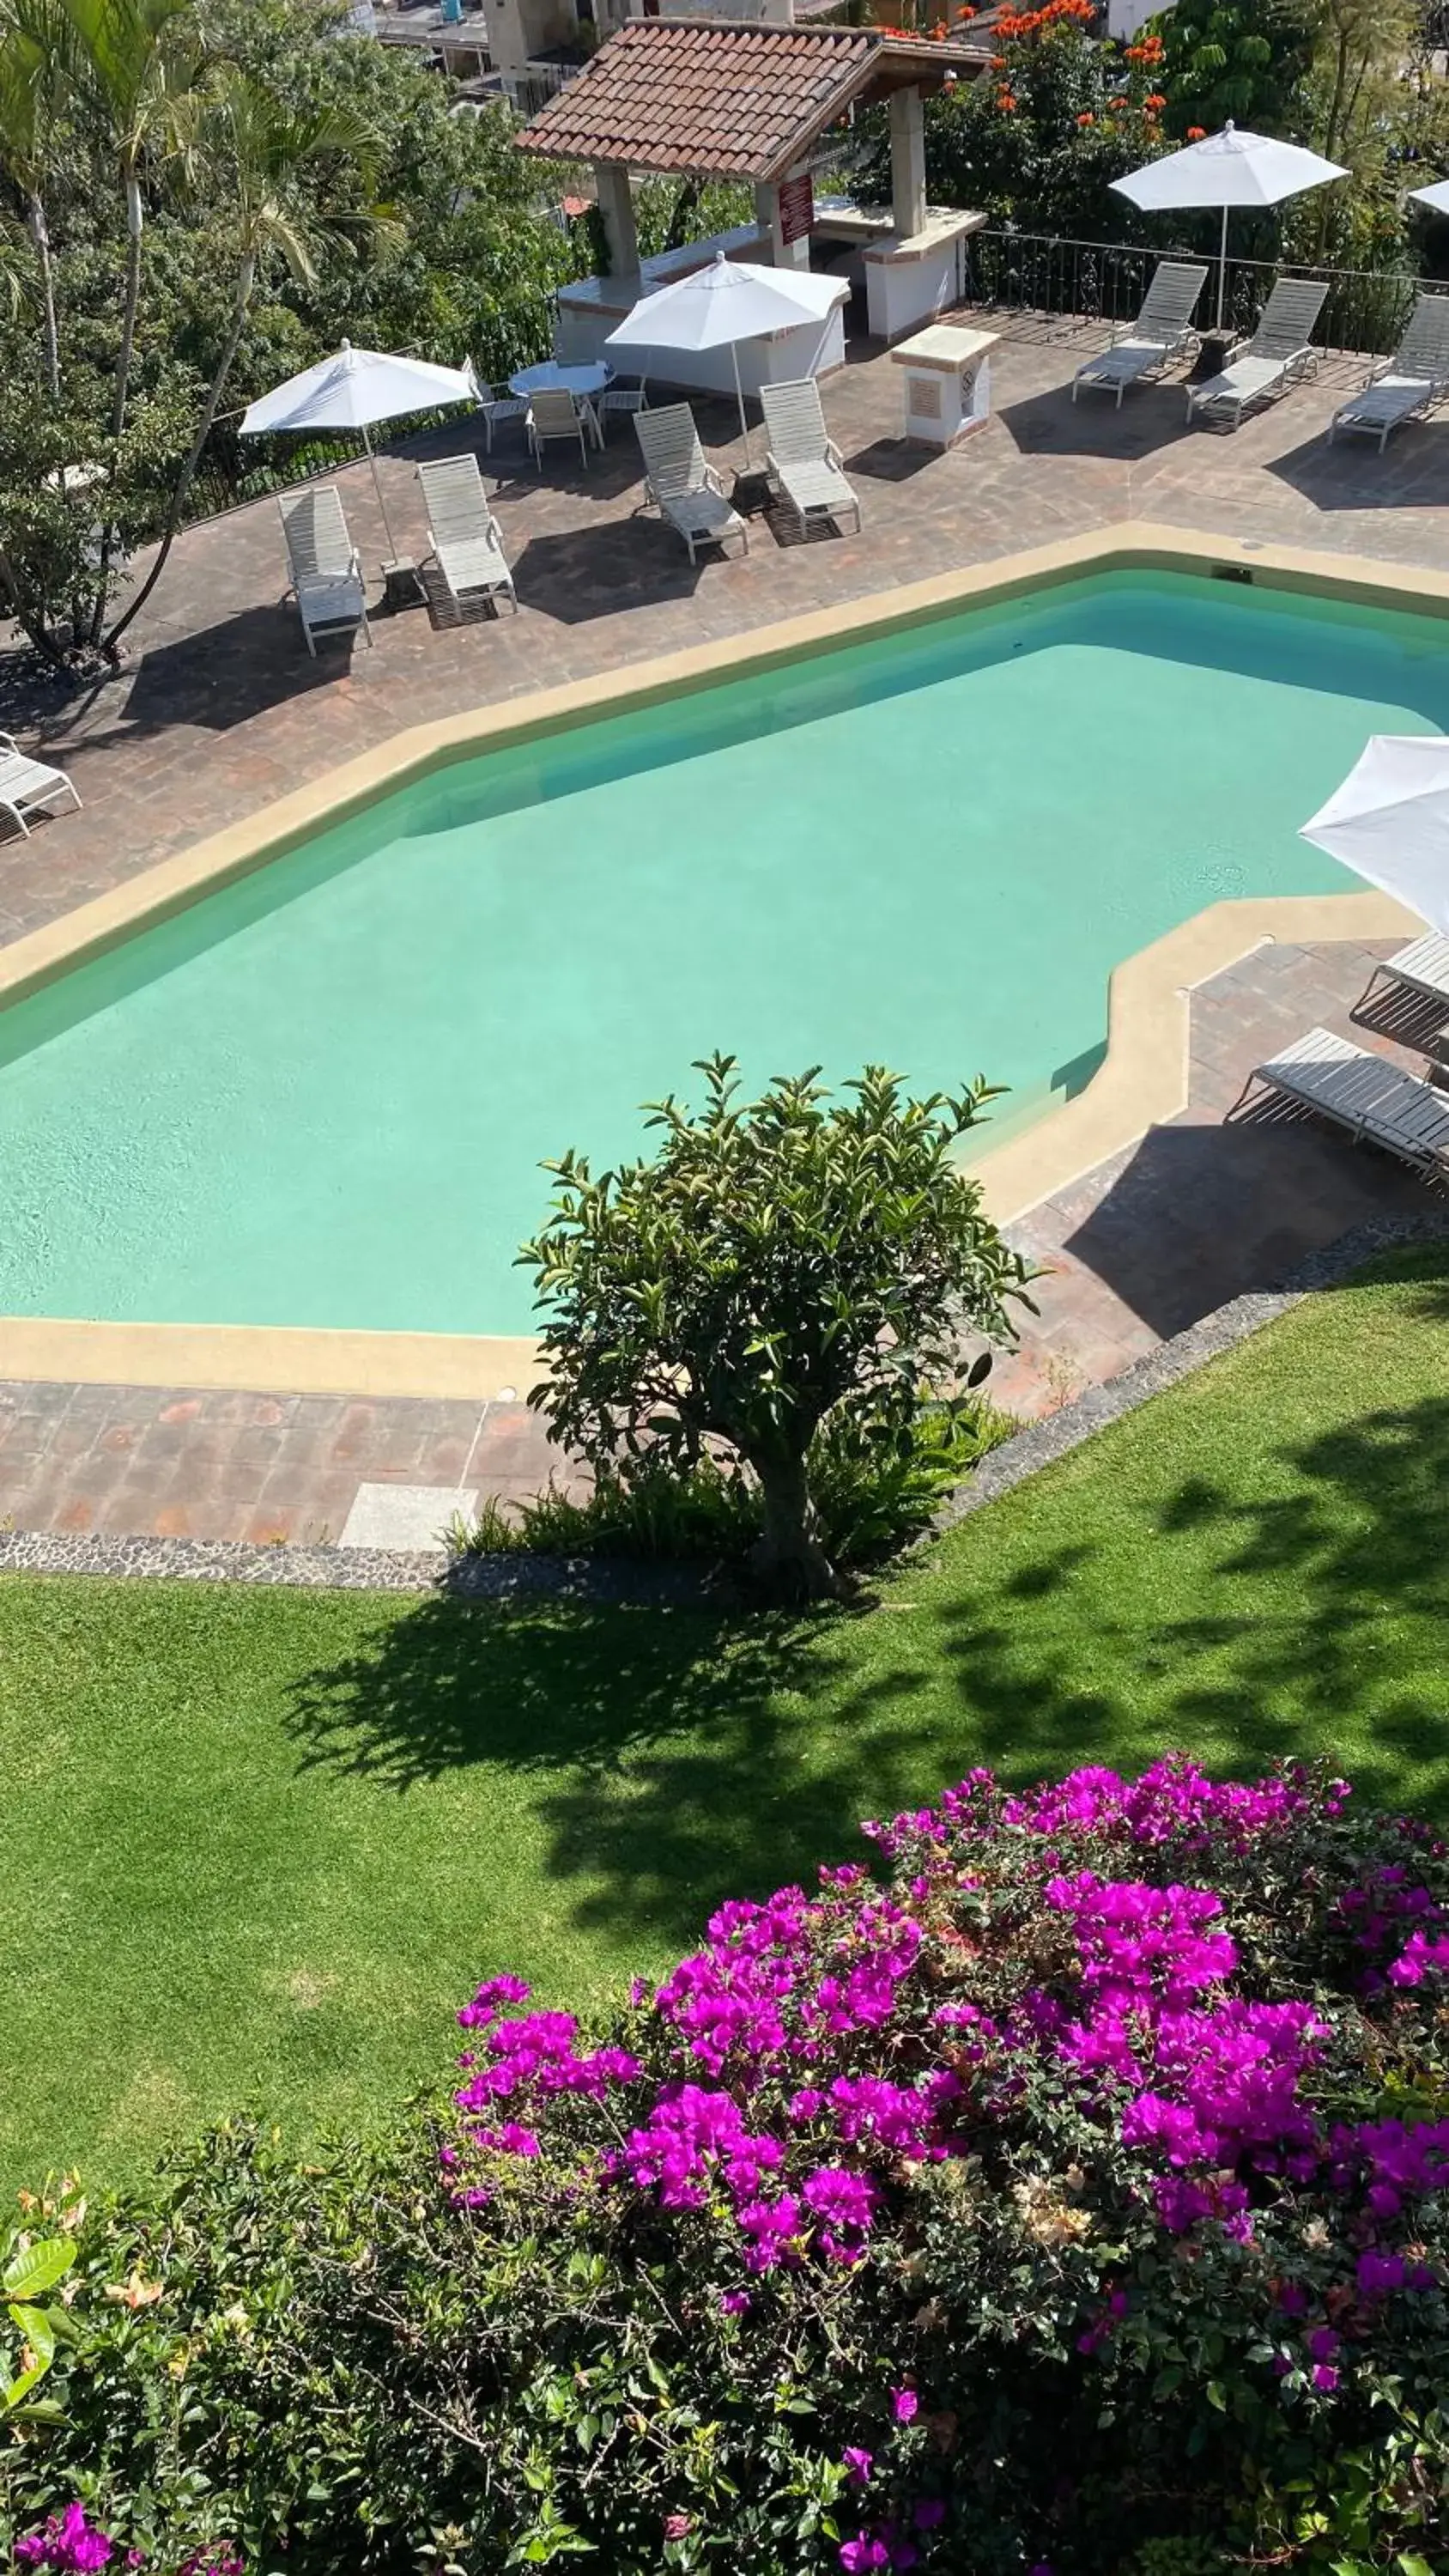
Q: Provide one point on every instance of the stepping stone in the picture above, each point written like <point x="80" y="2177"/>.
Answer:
<point x="405" y="1516"/>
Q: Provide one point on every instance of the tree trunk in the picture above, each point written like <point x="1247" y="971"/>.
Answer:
<point x="39" y="231"/>
<point x="789" y="1557"/>
<point x="39" y="636"/>
<point x="245" y="282"/>
<point x="135" y="222"/>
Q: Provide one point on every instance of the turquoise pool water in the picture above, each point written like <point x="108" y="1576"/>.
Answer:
<point x="321" y="1097"/>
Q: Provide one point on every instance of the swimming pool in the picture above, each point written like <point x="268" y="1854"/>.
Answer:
<point x="321" y="1095"/>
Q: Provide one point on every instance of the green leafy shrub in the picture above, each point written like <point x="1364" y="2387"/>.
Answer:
<point x="1074" y="2205"/>
<point x="872" y="1495"/>
<point x="780" y="1268"/>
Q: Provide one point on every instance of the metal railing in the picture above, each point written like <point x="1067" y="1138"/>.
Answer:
<point x="235" y="470"/>
<point x="1050" y="280"/>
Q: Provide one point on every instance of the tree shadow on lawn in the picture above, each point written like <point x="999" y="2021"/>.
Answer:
<point x="684" y="1756"/>
<point x="680" y="1754"/>
<point x="1308" y="1623"/>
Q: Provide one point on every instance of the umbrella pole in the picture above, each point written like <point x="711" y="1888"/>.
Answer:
<point x="740" y="398"/>
<point x="377" y="487"/>
<point x="1222" y="266"/>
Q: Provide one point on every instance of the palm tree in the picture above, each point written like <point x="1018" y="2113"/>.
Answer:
<point x="33" y="53"/>
<point x="134" y="60"/>
<point x="259" y="151"/>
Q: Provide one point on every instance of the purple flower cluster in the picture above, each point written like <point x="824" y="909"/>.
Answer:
<point x="1378" y="1913"/>
<point x="71" y="2545"/>
<point x="66" y="2541"/>
<point x="816" y="2050"/>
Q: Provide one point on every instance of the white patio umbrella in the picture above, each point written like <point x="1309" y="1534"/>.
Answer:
<point x="1389" y="821"/>
<point x="1228" y="169"/>
<point x="352" y="391"/>
<point x="1437" y="196"/>
<point x="718" y="306"/>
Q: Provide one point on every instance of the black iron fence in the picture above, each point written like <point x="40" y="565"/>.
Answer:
<point x="234" y="469"/>
<point x="1045" y="277"/>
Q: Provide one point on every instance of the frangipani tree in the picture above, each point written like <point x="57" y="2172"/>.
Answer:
<point x="774" y="1266"/>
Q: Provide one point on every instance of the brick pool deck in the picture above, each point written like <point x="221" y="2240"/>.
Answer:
<point x="220" y="710"/>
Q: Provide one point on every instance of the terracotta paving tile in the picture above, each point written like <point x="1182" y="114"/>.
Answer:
<point x="221" y="710"/>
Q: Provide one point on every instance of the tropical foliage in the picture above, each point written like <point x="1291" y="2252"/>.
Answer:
<point x="1072" y="2202"/>
<point x="200" y="195"/>
<point x="1040" y="138"/>
<point x="1062" y="113"/>
<point x="776" y="1268"/>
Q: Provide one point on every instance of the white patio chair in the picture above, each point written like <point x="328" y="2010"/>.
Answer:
<point x="498" y="407"/>
<point x="615" y="400"/>
<point x="1279" y="353"/>
<point x="682" y="487"/>
<point x="463" y="535"/>
<point x="27" y="786"/>
<point x="1422" y="969"/>
<point x="1412" y="380"/>
<point x="1162" y="331"/>
<point x="803" y="463"/>
<point x="556" y="413"/>
<point x="326" y="566"/>
<point x="1376" y="1101"/>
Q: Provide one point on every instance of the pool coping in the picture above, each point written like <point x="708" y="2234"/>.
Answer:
<point x="1141" y="1082"/>
<point x="514" y="1576"/>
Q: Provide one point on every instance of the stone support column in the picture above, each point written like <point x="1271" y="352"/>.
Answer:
<point x="616" y="207"/>
<point x="908" y="163"/>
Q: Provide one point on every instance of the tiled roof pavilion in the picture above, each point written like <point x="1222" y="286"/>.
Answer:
<point x="707" y="98"/>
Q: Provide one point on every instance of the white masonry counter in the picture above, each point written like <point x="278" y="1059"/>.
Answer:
<point x="948" y="381"/>
<point x="910" y="278"/>
<point x="590" y="309"/>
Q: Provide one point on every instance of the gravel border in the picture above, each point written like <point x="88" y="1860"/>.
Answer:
<point x="1058" y="1433"/>
<point x="526" y="1577"/>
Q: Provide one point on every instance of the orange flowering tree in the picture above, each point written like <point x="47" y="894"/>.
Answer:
<point x="1058" y="116"/>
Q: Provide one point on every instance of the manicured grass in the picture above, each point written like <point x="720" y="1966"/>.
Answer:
<point x="258" y="1843"/>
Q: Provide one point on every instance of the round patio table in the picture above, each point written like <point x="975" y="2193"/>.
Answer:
<point x="550" y="377"/>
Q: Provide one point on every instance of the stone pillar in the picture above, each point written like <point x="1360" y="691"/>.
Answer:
<point x="908" y="163"/>
<point x="616" y="206"/>
<point x="783" y="254"/>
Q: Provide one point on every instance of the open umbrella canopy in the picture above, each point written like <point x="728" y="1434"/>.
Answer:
<point x="1437" y="196"/>
<point x="728" y="301"/>
<point x="355" y="388"/>
<point x="1389" y="821"/>
<point x="1230" y="169"/>
<point x="1233" y="168"/>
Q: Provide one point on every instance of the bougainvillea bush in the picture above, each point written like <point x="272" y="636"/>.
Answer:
<point x="1062" y="2195"/>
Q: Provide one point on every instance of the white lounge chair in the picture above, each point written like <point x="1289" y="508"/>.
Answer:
<point x="498" y="407"/>
<point x="619" y="401"/>
<point x="555" y="413"/>
<point x="1162" y="331"/>
<point x="1278" y="354"/>
<point x="27" y="786"/>
<point x="463" y="535"/>
<point x="803" y="463"/>
<point x="1422" y="968"/>
<point x="1373" y="1099"/>
<point x="326" y="566"/>
<point x="1413" y="379"/>
<point x="683" y="488"/>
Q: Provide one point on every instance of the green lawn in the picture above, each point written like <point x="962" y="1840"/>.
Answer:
<point x="258" y="1843"/>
